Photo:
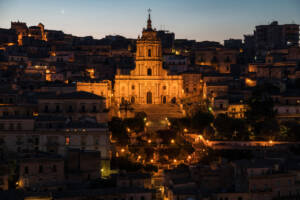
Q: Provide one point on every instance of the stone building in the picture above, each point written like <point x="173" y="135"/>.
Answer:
<point x="148" y="83"/>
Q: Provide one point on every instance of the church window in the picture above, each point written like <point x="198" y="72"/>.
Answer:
<point x="122" y="100"/>
<point x="164" y="87"/>
<point x="149" y="52"/>
<point x="132" y="100"/>
<point x="132" y="87"/>
<point x="149" y="72"/>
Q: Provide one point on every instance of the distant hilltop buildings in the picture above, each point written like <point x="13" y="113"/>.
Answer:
<point x="59" y="92"/>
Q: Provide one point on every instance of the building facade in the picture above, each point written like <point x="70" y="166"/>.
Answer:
<point x="148" y="83"/>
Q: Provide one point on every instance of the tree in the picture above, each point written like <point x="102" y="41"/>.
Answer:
<point x="261" y="114"/>
<point x="230" y="128"/>
<point x="118" y="130"/>
<point x="201" y="120"/>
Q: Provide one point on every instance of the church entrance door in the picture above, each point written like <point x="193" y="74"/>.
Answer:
<point x="149" y="98"/>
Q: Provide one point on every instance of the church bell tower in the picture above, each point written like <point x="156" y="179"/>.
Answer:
<point x="149" y="52"/>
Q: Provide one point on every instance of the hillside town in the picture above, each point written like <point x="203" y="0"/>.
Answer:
<point x="153" y="117"/>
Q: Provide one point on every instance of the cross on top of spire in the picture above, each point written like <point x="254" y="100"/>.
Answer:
<point x="149" y="26"/>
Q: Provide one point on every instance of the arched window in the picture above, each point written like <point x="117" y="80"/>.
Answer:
<point x="149" y="72"/>
<point x="122" y="100"/>
<point x="149" y="52"/>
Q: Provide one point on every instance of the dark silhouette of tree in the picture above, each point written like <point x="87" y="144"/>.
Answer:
<point x="261" y="114"/>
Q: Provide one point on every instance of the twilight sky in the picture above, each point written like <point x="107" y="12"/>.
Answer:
<point x="193" y="19"/>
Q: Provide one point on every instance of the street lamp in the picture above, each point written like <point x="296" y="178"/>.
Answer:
<point x="149" y="141"/>
<point x="172" y="141"/>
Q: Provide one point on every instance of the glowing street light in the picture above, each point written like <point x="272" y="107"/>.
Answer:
<point x="185" y="130"/>
<point x="174" y="160"/>
<point x="172" y="141"/>
<point x="145" y="119"/>
<point x="151" y="160"/>
<point x="149" y="141"/>
<point x="128" y="129"/>
<point x="189" y="157"/>
<point x="271" y="141"/>
<point x="122" y="150"/>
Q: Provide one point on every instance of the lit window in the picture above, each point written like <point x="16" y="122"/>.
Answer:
<point x="67" y="140"/>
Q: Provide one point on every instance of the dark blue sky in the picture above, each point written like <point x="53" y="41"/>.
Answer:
<point x="193" y="19"/>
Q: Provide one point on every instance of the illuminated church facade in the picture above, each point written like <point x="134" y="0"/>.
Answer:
<point x="148" y="83"/>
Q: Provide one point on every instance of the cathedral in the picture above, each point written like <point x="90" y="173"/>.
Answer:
<point x="148" y="82"/>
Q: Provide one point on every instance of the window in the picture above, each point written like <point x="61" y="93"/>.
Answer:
<point x="26" y="171"/>
<point x="67" y="140"/>
<point x="82" y="108"/>
<point x="70" y="109"/>
<point x="94" y="108"/>
<point x="57" y="108"/>
<point x="132" y="87"/>
<point x="11" y="126"/>
<point x="132" y="100"/>
<point x="41" y="169"/>
<point x="164" y="87"/>
<point x="19" y="126"/>
<point x="54" y="168"/>
<point x="46" y="108"/>
<point x="149" y="72"/>
<point x="149" y="52"/>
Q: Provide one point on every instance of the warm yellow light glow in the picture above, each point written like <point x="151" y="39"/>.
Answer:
<point x="11" y="44"/>
<point x="250" y="83"/>
<point x="200" y="137"/>
<point x="174" y="160"/>
<point x="169" y="124"/>
<point x="147" y="123"/>
<point x="270" y="141"/>
<point x="122" y="150"/>
<point x="149" y="141"/>
<point x="102" y="170"/>
<point x="172" y="141"/>
<point x="35" y="114"/>
<point x="128" y="129"/>
<point x="185" y="130"/>
<point x="151" y="161"/>
<point x="145" y="119"/>
<point x="139" y="157"/>
<point x="189" y="157"/>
